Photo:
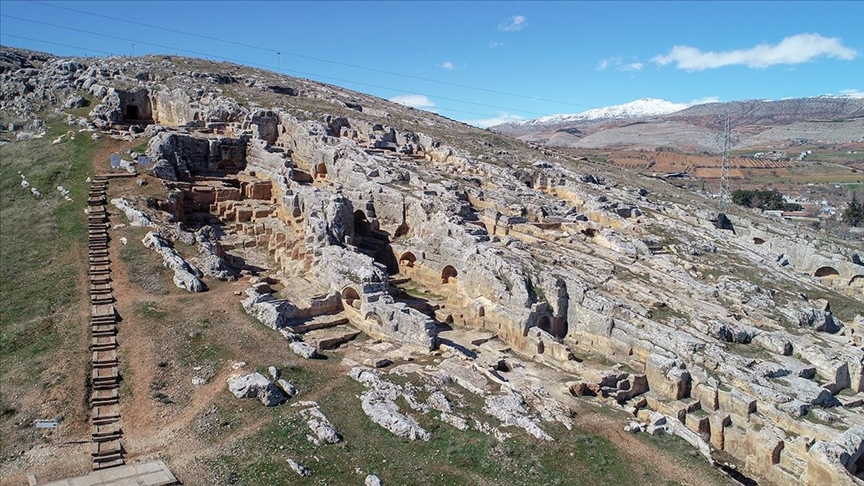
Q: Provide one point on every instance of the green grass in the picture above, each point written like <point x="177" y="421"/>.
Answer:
<point x="144" y="266"/>
<point x="142" y="147"/>
<point x="450" y="457"/>
<point x="43" y="242"/>
<point x="43" y="258"/>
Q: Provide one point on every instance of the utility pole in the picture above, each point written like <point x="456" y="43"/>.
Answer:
<point x="133" y="49"/>
<point x="278" y="61"/>
<point x="724" y="168"/>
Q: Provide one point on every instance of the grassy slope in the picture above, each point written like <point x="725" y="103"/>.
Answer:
<point x="42" y="261"/>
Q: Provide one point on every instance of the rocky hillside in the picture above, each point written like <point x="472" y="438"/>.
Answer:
<point x="433" y="287"/>
<point x="698" y="127"/>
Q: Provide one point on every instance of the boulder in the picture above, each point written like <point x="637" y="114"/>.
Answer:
<point x="287" y="387"/>
<point x="304" y="350"/>
<point x="299" y="468"/>
<point x="372" y="480"/>
<point x="254" y="385"/>
<point x="320" y="426"/>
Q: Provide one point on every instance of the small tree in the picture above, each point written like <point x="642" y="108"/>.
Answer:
<point x="853" y="215"/>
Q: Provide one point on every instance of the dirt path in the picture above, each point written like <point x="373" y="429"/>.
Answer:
<point x="668" y="465"/>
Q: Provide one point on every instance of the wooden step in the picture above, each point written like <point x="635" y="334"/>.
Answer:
<point x="106" y="386"/>
<point x="100" y="288"/>
<point x="102" y="299"/>
<point x="106" y="430"/>
<point x="105" y="451"/>
<point x="104" y="359"/>
<point x="103" y="343"/>
<point x="104" y="397"/>
<point x="104" y="374"/>
<point x="104" y="330"/>
<point x="102" y="310"/>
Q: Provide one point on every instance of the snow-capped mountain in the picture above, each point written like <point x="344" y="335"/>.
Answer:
<point x="635" y="109"/>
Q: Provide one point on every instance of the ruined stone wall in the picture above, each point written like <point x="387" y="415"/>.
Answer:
<point x="189" y="155"/>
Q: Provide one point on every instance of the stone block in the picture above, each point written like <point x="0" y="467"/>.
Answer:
<point x="734" y="401"/>
<point x="718" y="423"/>
<point x="667" y="377"/>
<point x="707" y="396"/>
<point x="698" y="422"/>
<point x="244" y="215"/>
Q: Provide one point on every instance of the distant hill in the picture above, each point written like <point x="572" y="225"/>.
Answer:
<point x="651" y="123"/>
<point x="641" y="108"/>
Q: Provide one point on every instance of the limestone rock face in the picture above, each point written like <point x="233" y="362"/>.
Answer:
<point x="192" y="155"/>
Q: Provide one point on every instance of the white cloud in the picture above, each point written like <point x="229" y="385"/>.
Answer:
<point x="494" y="44"/>
<point x="707" y="99"/>
<point x="852" y="93"/>
<point x="491" y="122"/>
<point x="619" y="64"/>
<point x="796" y="49"/>
<point x="446" y="65"/>
<point x="513" y="24"/>
<point x="413" y="100"/>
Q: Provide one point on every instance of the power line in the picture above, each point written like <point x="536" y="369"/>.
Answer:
<point x="313" y="58"/>
<point x="85" y="49"/>
<point x="239" y="61"/>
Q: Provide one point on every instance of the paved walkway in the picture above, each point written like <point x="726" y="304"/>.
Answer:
<point x="154" y="473"/>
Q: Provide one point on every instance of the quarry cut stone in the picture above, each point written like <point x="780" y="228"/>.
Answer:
<point x="667" y="377"/>
<point x="302" y="349"/>
<point x="256" y="385"/>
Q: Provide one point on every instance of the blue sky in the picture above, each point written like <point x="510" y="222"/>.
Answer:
<point x="486" y="62"/>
